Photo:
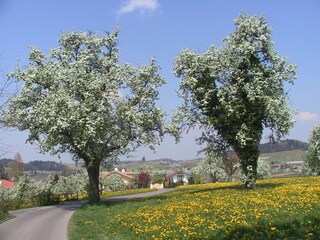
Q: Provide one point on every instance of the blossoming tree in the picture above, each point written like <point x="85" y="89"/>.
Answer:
<point x="79" y="99"/>
<point x="313" y="152"/>
<point x="236" y="91"/>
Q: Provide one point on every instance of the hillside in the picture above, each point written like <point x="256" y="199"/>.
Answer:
<point x="5" y="162"/>
<point x="43" y="166"/>
<point x="36" y="165"/>
<point x="286" y="156"/>
<point x="283" y="145"/>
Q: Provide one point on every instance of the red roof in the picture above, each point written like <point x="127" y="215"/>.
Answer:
<point x="6" y="183"/>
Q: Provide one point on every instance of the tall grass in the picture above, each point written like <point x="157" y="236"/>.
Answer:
<point x="276" y="209"/>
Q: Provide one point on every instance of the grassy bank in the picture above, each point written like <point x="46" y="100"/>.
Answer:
<point x="277" y="209"/>
<point x="3" y="216"/>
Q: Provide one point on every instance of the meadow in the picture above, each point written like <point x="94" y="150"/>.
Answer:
<point x="286" y="208"/>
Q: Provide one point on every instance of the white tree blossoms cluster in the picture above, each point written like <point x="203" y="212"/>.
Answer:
<point x="46" y="192"/>
<point x="112" y="182"/>
<point x="211" y="165"/>
<point x="313" y="153"/>
<point x="38" y="193"/>
<point x="236" y="91"/>
<point x="80" y="99"/>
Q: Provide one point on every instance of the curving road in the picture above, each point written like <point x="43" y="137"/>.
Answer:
<point x="50" y="223"/>
<point x="40" y="223"/>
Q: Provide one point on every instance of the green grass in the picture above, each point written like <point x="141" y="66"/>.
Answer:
<point x="3" y="216"/>
<point x="277" y="209"/>
<point x="126" y="192"/>
<point x="91" y="218"/>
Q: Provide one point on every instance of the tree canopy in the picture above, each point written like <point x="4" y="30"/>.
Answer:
<point x="79" y="99"/>
<point x="313" y="152"/>
<point x="236" y="91"/>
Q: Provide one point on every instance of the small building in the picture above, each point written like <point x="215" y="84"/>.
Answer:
<point x="156" y="186"/>
<point x="177" y="176"/>
<point x="295" y="165"/>
<point x="6" y="183"/>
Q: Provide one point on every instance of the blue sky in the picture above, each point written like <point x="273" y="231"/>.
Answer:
<point x="161" y="29"/>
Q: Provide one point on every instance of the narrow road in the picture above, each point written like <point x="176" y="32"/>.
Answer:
<point x="40" y="223"/>
<point x="50" y="223"/>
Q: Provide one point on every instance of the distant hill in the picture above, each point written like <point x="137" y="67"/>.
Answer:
<point x="285" y="156"/>
<point x="43" y="166"/>
<point x="35" y="165"/>
<point x="284" y="145"/>
<point x="5" y="162"/>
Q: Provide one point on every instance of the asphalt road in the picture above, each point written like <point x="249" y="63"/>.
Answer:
<point x="42" y="223"/>
<point x="50" y="223"/>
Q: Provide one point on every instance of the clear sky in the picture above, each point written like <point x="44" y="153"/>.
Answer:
<point x="161" y="29"/>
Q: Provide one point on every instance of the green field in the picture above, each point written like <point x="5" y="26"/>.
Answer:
<point x="276" y="209"/>
<point x="286" y="156"/>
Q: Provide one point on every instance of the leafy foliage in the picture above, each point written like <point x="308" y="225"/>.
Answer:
<point x="263" y="169"/>
<point x="211" y="165"/>
<point x="236" y="91"/>
<point x="143" y="179"/>
<point x="71" y="185"/>
<point x="27" y="192"/>
<point x="80" y="99"/>
<point x="313" y="152"/>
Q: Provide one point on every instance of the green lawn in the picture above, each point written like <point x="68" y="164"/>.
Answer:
<point x="276" y="209"/>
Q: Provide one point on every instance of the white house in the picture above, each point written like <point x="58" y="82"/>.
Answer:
<point x="178" y="176"/>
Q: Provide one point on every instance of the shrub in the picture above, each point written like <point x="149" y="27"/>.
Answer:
<point x="143" y="179"/>
<point x="157" y="179"/>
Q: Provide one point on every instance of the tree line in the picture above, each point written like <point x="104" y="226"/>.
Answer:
<point x="35" y="165"/>
<point x="283" y="145"/>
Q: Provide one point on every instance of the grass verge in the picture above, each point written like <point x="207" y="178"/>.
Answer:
<point x="276" y="209"/>
<point x="3" y="216"/>
<point x="126" y="192"/>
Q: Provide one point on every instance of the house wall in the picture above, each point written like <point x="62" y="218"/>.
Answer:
<point x="185" y="178"/>
<point x="156" y="186"/>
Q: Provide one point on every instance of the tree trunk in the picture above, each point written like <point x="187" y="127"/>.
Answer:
<point x="250" y="173"/>
<point x="249" y="161"/>
<point x="213" y="177"/>
<point x="93" y="173"/>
